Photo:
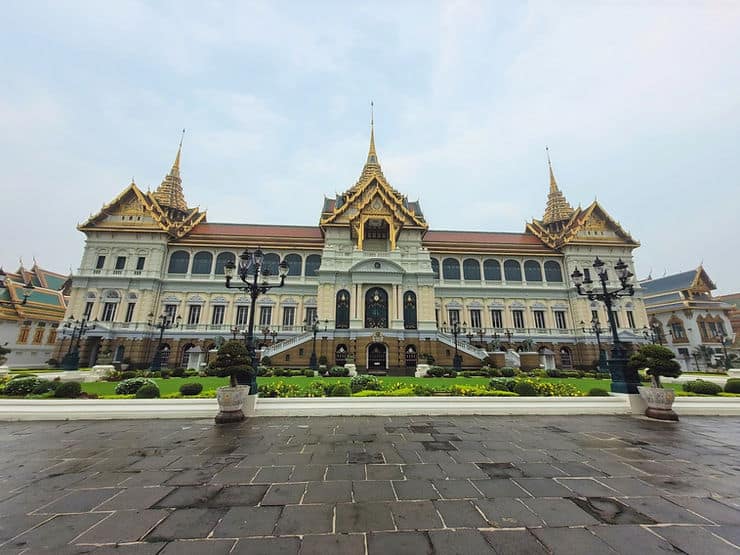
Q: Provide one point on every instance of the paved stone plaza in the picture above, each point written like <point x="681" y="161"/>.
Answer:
<point x="381" y="485"/>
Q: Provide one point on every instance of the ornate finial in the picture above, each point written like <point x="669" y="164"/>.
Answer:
<point x="372" y="156"/>
<point x="553" y="183"/>
<point x="558" y="209"/>
<point x="176" y="165"/>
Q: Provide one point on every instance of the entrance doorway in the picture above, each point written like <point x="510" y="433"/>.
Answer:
<point x="377" y="357"/>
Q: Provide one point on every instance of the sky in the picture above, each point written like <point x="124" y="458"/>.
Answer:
<point x="639" y="103"/>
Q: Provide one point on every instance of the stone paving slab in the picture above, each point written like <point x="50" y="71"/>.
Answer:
<point x="366" y="485"/>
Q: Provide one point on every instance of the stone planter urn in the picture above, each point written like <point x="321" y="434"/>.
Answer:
<point x="659" y="402"/>
<point x="352" y="369"/>
<point x="421" y="370"/>
<point x="230" y="403"/>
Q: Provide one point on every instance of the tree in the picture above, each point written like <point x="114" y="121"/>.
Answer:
<point x="233" y="361"/>
<point x="704" y="352"/>
<point x="657" y="361"/>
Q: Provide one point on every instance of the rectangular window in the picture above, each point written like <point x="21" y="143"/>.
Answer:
<point x="560" y="320"/>
<point x="595" y="315"/>
<point x="242" y="313"/>
<point x="586" y="274"/>
<point x="475" y="319"/>
<point x="288" y="317"/>
<point x="109" y="312"/>
<point x="454" y="315"/>
<point x="311" y="315"/>
<point x="539" y="319"/>
<point x="23" y="333"/>
<point x="52" y="334"/>
<point x="218" y="315"/>
<point x="721" y="327"/>
<point x="120" y="262"/>
<point x="518" y="316"/>
<point x="100" y="263"/>
<point x="140" y="263"/>
<point x="193" y="314"/>
<point x="497" y="319"/>
<point x="171" y="311"/>
<point x="265" y="315"/>
<point x="616" y="318"/>
<point x="712" y="329"/>
<point x="38" y="334"/>
<point x="631" y="319"/>
<point x="684" y="352"/>
<point x="678" y="332"/>
<point x="88" y="309"/>
<point x="130" y="312"/>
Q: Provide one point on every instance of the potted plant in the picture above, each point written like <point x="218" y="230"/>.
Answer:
<point x="232" y="360"/>
<point x="104" y="357"/>
<point x="657" y="361"/>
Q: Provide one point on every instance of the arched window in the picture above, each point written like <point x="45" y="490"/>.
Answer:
<point x="313" y="263"/>
<point x="492" y="270"/>
<point x="532" y="271"/>
<point x="411" y="356"/>
<point x="295" y="262"/>
<point x="184" y="355"/>
<point x="179" y="262"/>
<point x="435" y="267"/>
<point x="553" y="271"/>
<point x="471" y="269"/>
<point x="221" y="261"/>
<point x="340" y="355"/>
<point x="409" y="310"/>
<point x="376" y="308"/>
<point x="512" y="270"/>
<point x="202" y="263"/>
<point x="342" y="310"/>
<point x="164" y="356"/>
<point x="566" y="360"/>
<point x="450" y="268"/>
<point x="270" y="264"/>
<point x="118" y="357"/>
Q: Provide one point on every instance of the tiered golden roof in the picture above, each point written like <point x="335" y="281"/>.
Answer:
<point x="558" y="209"/>
<point x="169" y="194"/>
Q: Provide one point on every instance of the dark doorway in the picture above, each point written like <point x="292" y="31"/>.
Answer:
<point x="376" y="357"/>
<point x="376" y="308"/>
<point x="411" y="357"/>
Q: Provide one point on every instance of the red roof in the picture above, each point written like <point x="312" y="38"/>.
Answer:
<point x="481" y="237"/>
<point x="257" y="230"/>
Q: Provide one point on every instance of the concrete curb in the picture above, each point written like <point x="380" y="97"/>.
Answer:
<point x="113" y="409"/>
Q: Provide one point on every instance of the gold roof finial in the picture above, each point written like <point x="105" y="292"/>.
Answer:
<point x="176" y="166"/>
<point x="557" y="209"/>
<point x="372" y="156"/>
<point x="169" y="194"/>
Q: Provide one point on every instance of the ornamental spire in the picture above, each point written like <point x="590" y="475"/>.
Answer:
<point x="558" y="209"/>
<point x="169" y="193"/>
<point x="372" y="156"/>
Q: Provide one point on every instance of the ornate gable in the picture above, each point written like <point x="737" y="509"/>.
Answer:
<point x="702" y="283"/>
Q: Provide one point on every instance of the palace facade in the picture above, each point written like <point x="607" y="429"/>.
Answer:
<point x="385" y="287"/>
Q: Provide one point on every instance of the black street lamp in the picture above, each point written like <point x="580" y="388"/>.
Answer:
<point x="456" y="329"/>
<point x="71" y="361"/>
<point x="313" y="363"/>
<point x="265" y="333"/>
<point x="470" y="335"/>
<point x="273" y="335"/>
<point x="597" y="330"/>
<point x="624" y="380"/>
<point x="253" y="262"/>
<point x="724" y="341"/>
<point x="234" y="332"/>
<point x="481" y="333"/>
<point x="508" y="335"/>
<point x="652" y="333"/>
<point x="163" y="323"/>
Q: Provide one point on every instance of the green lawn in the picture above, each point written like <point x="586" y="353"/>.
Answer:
<point x="172" y="385"/>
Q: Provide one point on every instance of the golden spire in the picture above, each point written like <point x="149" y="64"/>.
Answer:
<point x="169" y="193"/>
<point x="372" y="156"/>
<point x="558" y="209"/>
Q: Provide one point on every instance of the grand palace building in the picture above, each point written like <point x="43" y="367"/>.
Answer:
<point x="385" y="286"/>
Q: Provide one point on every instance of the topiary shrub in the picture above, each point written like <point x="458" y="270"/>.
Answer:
<point x="597" y="392"/>
<point x="732" y="385"/>
<point x="364" y="382"/>
<point x="501" y="384"/>
<point x="44" y="386"/>
<point x="132" y="385"/>
<point x="494" y="373"/>
<point x="338" y="372"/>
<point x="177" y="372"/>
<point x="508" y="372"/>
<point x="53" y="363"/>
<point x="192" y="388"/>
<point x="308" y="373"/>
<point x="148" y="391"/>
<point x="20" y="387"/>
<point x="233" y="361"/>
<point x="657" y="361"/>
<point x="318" y="389"/>
<point x="266" y="361"/>
<point x="68" y="390"/>
<point x="340" y="390"/>
<point x="702" y="387"/>
<point x="128" y="374"/>
<point x="525" y="389"/>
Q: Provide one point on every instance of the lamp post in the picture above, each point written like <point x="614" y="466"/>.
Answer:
<point x="27" y="290"/>
<point x="597" y="330"/>
<point x="456" y="329"/>
<point x="162" y="323"/>
<point x="252" y="261"/>
<point x="314" y="327"/>
<point x="653" y="334"/>
<point x="273" y="335"/>
<point x="508" y="335"/>
<point x="481" y="334"/>
<point x="71" y="361"/>
<point x="724" y="341"/>
<point x="624" y="380"/>
<point x="234" y="331"/>
<point x="470" y="335"/>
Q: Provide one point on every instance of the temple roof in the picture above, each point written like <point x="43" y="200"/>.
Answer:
<point x="558" y="209"/>
<point x="169" y="193"/>
<point x="47" y="299"/>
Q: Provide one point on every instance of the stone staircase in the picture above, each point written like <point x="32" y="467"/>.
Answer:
<point x="286" y="344"/>
<point x="466" y="348"/>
